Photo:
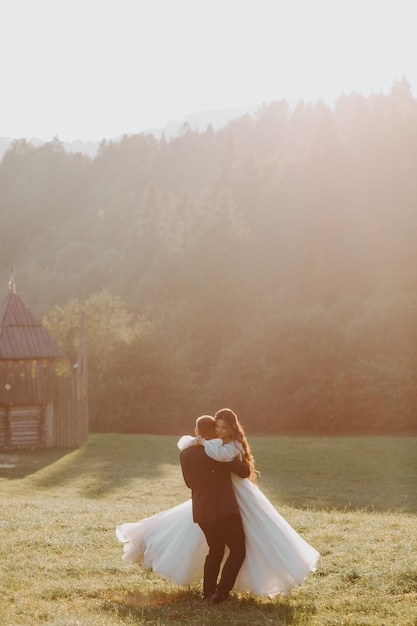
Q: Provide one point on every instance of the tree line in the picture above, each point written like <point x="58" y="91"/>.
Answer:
<point x="270" y="266"/>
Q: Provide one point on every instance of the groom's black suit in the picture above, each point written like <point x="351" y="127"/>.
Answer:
<point x="216" y="511"/>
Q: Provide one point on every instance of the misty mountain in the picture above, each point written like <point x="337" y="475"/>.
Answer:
<point x="196" y="121"/>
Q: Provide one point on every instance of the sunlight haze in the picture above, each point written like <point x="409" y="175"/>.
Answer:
<point x="93" y="69"/>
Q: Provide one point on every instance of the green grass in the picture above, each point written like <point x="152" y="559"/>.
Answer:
<point x="353" y="498"/>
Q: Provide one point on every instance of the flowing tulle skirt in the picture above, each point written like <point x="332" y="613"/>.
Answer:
<point x="170" y="543"/>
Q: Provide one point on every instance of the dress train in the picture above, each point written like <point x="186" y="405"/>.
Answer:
<point x="170" y="543"/>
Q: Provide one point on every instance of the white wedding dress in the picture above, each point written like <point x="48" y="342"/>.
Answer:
<point x="170" y="543"/>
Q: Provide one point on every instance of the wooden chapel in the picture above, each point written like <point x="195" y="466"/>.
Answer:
<point x="38" y="408"/>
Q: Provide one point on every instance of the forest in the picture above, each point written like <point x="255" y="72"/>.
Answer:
<point x="269" y="266"/>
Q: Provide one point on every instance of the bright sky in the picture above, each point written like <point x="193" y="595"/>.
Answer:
<point x="94" y="69"/>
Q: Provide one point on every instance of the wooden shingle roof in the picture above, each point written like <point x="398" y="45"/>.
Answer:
<point x="21" y="335"/>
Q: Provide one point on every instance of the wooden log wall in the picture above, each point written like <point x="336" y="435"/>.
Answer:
<point x="27" y="381"/>
<point x="39" y="409"/>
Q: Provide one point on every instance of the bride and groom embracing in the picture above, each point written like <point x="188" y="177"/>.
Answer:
<point x="229" y="514"/>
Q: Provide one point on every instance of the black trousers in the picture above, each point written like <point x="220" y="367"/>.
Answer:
<point x="227" y="531"/>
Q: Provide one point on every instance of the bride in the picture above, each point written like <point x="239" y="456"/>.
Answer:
<point x="170" y="543"/>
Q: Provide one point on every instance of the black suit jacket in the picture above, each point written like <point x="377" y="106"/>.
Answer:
<point x="210" y="483"/>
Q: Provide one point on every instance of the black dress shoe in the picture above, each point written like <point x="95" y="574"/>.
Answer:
<point x="219" y="597"/>
<point x="208" y="595"/>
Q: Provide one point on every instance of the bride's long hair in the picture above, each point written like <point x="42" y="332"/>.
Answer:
<point x="238" y="434"/>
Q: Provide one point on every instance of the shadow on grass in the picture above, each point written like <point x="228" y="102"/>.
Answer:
<point x="344" y="473"/>
<point x="339" y="473"/>
<point x="110" y="462"/>
<point x="16" y="464"/>
<point x="187" y="607"/>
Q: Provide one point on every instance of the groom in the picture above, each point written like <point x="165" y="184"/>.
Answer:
<point x="216" y="511"/>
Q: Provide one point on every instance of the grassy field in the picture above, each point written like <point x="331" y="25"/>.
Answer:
<point x="353" y="498"/>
